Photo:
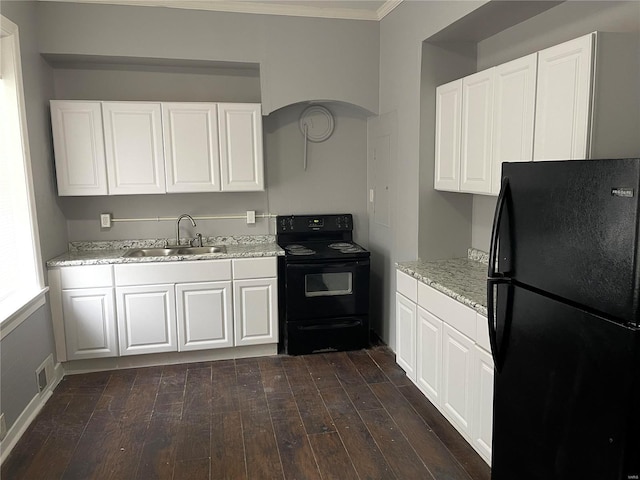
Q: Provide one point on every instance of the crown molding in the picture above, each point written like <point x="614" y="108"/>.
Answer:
<point x="260" y="8"/>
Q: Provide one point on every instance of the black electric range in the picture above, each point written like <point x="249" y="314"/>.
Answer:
<point x="323" y="282"/>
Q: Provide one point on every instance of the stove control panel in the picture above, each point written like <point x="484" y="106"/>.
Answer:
<point x="314" y="223"/>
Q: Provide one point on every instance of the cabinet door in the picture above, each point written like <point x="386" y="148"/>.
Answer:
<point x="204" y="315"/>
<point x="457" y="384"/>
<point x="563" y="100"/>
<point x="406" y="335"/>
<point x="477" y="119"/>
<point x="514" y="96"/>
<point x="255" y="311"/>
<point x="146" y="319"/>
<point x="190" y="135"/>
<point x="78" y="146"/>
<point x="241" y="156"/>
<point x="483" y="402"/>
<point x="133" y="141"/>
<point x="429" y="355"/>
<point x="89" y="323"/>
<point x="448" y="123"/>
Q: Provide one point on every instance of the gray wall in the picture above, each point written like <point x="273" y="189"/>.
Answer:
<point x="402" y="33"/>
<point x="564" y="22"/>
<point x="21" y="353"/>
<point x="300" y="58"/>
<point x="26" y="347"/>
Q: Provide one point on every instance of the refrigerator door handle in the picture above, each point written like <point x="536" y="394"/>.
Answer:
<point x="495" y="228"/>
<point x="492" y="318"/>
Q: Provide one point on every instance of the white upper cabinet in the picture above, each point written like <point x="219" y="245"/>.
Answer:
<point x="133" y="139"/>
<point x="192" y="156"/>
<point x="79" y="147"/>
<point x="563" y="100"/>
<point x="241" y="156"/>
<point x="129" y="148"/>
<point x="448" y="122"/>
<point x="477" y="120"/>
<point x="514" y="97"/>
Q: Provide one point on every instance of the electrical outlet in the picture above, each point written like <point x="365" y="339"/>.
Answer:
<point x="251" y="216"/>
<point x="3" y="427"/>
<point x="105" y="220"/>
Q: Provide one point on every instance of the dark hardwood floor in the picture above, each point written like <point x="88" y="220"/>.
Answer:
<point x="352" y="415"/>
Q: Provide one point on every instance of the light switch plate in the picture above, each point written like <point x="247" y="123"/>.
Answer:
<point x="251" y="216"/>
<point x="105" y="220"/>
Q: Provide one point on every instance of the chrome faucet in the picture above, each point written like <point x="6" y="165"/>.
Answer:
<point x="184" y="215"/>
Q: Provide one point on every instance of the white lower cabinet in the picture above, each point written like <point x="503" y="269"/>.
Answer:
<point x="204" y="315"/>
<point x="483" y="401"/>
<point x="146" y="319"/>
<point x="90" y="323"/>
<point x="429" y="355"/>
<point x="255" y="311"/>
<point x="443" y="346"/>
<point x="160" y="307"/>
<point x="406" y="335"/>
<point x="457" y="378"/>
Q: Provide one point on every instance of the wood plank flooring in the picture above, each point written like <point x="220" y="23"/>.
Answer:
<point x="347" y="415"/>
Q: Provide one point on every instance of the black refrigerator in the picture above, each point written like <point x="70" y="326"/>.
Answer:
<point x="563" y="298"/>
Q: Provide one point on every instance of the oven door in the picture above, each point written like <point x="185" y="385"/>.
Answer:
<point x="327" y="289"/>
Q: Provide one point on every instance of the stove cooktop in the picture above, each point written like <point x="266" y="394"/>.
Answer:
<point x="327" y="250"/>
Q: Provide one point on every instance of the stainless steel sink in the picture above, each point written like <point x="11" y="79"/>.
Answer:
<point x="151" y="252"/>
<point x="201" y="250"/>
<point x="165" y="252"/>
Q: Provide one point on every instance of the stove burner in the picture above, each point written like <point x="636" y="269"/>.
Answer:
<point x="344" y="247"/>
<point x="339" y="245"/>
<point x="299" y="250"/>
<point x="351" y="249"/>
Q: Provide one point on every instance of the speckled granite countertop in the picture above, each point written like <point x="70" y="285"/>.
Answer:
<point x="111" y="252"/>
<point x="464" y="279"/>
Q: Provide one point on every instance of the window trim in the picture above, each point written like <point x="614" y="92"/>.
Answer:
<point x="9" y="32"/>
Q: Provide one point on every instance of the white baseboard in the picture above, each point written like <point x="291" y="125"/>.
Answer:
<point x="29" y="414"/>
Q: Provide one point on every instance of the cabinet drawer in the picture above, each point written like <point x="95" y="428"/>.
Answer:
<point x="86" y="276"/>
<point x="254" y="268"/>
<point x="459" y="316"/>
<point x="407" y="286"/>
<point x="172" y="272"/>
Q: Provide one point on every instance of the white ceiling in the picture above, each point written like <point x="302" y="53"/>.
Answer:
<point x="346" y="9"/>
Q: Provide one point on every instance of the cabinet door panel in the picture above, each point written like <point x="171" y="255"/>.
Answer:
<point x="448" y="123"/>
<point x="146" y="319"/>
<point x="457" y="382"/>
<point x="133" y="141"/>
<point x="255" y="311"/>
<point x="513" y="114"/>
<point x="78" y="146"/>
<point x="204" y="315"/>
<point x="429" y="362"/>
<point x="483" y="411"/>
<point x="190" y="135"/>
<point x="90" y="323"/>
<point x="406" y="335"/>
<point x="563" y="100"/>
<point x="241" y="155"/>
<point x="477" y="119"/>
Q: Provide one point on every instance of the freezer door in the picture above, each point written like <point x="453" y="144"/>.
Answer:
<point x="563" y="405"/>
<point x="571" y="231"/>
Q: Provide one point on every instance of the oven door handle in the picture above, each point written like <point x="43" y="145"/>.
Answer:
<point x="331" y="326"/>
